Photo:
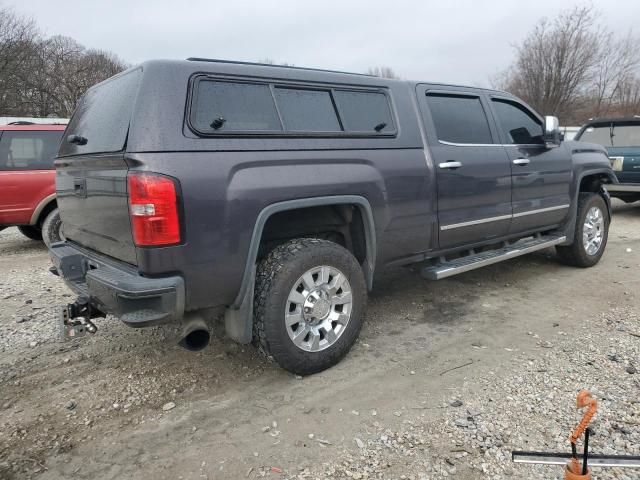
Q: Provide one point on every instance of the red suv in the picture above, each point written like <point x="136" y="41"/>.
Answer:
<point x="27" y="180"/>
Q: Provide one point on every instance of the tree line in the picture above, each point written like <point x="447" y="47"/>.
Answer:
<point x="576" y="68"/>
<point x="571" y="66"/>
<point x="45" y="76"/>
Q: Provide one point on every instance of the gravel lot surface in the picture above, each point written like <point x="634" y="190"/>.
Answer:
<point x="446" y="380"/>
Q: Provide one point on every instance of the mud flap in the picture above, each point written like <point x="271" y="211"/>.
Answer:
<point x="238" y="322"/>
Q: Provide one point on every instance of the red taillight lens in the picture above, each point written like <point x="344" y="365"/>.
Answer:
<point x="153" y="206"/>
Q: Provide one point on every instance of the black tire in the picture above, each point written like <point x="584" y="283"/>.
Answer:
<point x="51" y="228"/>
<point x="31" y="231"/>
<point x="276" y="276"/>
<point x="576" y="254"/>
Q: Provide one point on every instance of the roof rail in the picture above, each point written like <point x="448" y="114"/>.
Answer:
<point x="257" y="64"/>
<point x="21" y="122"/>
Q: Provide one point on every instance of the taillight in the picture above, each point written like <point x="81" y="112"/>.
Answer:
<point x="153" y="206"/>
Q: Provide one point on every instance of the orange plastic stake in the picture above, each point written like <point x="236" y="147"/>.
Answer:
<point x="574" y="470"/>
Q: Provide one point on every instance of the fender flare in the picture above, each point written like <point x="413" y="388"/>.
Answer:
<point x="41" y="206"/>
<point x="570" y="225"/>
<point x="239" y="316"/>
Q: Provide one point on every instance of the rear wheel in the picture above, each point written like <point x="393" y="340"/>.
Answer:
<point x="52" y="228"/>
<point x="309" y="302"/>
<point x="591" y="233"/>
<point x="31" y="231"/>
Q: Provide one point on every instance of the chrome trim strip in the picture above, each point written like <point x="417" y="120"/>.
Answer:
<point x="540" y="210"/>
<point x="452" y="144"/>
<point x="475" y="222"/>
<point x="503" y="217"/>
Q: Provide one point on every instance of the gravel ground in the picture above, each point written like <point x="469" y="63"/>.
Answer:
<point x="447" y="379"/>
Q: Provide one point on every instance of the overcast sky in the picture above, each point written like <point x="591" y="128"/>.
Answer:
<point x="459" y="41"/>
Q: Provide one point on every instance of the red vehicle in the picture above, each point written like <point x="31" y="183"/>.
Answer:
<point x="27" y="180"/>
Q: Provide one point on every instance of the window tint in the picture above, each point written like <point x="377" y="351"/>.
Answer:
<point x="103" y="116"/>
<point x="364" y="111"/>
<point x="459" y="119"/>
<point x="28" y="150"/>
<point x="227" y="106"/>
<point x="307" y="110"/>
<point x="518" y="125"/>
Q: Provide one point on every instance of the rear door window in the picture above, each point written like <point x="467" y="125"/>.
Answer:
<point x="519" y="126"/>
<point x="307" y="110"/>
<point x="366" y="112"/>
<point x="28" y="150"/>
<point x="103" y="116"/>
<point x="459" y="118"/>
<point x="228" y="106"/>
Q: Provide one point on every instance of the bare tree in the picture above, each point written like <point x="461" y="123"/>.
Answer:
<point x="572" y="66"/>
<point x="616" y="68"/>
<point x="383" y="71"/>
<point x="17" y="37"/>
<point x="556" y="61"/>
<point x="46" y="76"/>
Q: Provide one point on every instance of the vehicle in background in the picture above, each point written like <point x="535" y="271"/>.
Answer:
<point x="276" y="195"/>
<point x="569" y="133"/>
<point x="33" y="120"/>
<point x="621" y="138"/>
<point x="27" y="180"/>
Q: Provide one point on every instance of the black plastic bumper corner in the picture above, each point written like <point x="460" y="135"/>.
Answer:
<point x="117" y="288"/>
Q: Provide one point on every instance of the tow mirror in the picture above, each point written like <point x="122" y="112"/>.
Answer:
<point x="552" y="135"/>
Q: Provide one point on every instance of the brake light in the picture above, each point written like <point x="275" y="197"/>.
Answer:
<point x="153" y="206"/>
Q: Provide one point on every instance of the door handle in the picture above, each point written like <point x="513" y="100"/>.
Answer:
<point x="450" y="164"/>
<point x="521" y="161"/>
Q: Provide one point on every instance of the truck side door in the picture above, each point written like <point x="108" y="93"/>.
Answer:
<point x="473" y="171"/>
<point x="541" y="176"/>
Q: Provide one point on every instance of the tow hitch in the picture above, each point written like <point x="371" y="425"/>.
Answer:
<point x="75" y="319"/>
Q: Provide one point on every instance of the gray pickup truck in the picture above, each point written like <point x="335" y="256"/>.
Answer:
<point x="274" y="195"/>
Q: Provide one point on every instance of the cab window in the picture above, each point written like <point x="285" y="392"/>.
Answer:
<point x="517" y="124"/>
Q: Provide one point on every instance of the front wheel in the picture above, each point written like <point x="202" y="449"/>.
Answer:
<point x="591" y="232"/>
<point x="310" y="298"/>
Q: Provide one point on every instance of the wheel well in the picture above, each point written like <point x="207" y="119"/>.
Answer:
<point x="48" y="208"/>
<point x="592" y="183"/>
<point x="342" y="224"/>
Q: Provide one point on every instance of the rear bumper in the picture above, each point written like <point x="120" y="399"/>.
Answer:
<point x="117" y="288"/>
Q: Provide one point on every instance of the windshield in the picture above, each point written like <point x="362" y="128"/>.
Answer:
<point x="612" y="135"/>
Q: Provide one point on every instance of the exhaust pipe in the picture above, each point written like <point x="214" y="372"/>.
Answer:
<point x="195" y="334"/>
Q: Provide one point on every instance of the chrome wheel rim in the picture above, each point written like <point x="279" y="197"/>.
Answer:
<point x="593" y="231"/>
<point x="318" y="308"/>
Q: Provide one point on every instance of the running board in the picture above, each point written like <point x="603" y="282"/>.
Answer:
<point x="471" y="262"/>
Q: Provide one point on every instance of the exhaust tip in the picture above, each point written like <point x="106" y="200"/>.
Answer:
<point x="195" y="340"/>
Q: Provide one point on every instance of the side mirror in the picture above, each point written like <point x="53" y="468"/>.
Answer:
<point x="552" y="135"/>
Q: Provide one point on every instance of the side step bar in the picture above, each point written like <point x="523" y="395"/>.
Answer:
<point x="471" y="262"/>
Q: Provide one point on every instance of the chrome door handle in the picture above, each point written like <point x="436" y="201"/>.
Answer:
<point x="450" y="165"/>
<point x="521" y="161"/>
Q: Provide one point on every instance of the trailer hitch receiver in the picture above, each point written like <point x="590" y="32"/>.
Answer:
<point x="75" y="319"/>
